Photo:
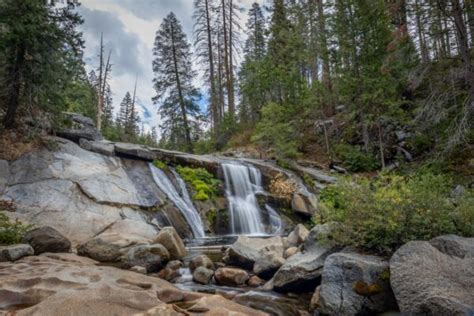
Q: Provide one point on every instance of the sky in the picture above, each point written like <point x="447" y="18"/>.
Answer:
<point x="129" y="28"/>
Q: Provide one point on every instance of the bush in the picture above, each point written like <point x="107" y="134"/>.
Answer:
<point x="391" y="210"/>
<point x="203" y="182"/>
<point x="160" y="165"/>
<point x="12" y="232"/>
<point x="356" y="160"/>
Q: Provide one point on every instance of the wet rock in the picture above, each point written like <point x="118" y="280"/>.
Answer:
<point x="151" y="257"/>
<point x="202" y="275"/>
<point x="65" y="284"/>
<point x="272" y="304"/>
<point x="434" y="280"/>
<point x="100" y="250"/>
<point x="354" y="284"/>
<point x="15" y="252"/>
<point x="298" y="235"/>
<point x="302" y="271"/>
<point x="168" y="274"/>
<point x="174" y="265"/>
<point x="290" y="252"/>
<point x="246" y="251"/>
<point x="231" y="276"/>
<point x="169" y="238"/>
<point x="47" y="239"/>
<point x="267" y="264"/>
<point x="201" y="261"/>
<point x="255" y="281"/>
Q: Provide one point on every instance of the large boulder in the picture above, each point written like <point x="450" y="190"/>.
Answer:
<point x="169" y="238"/>
<point x="80" y="193"/>
<point x="201" y="261"/>
<point x="202" y="275"/>
<point x="15" y="252"/>
<point x="101" y="147"/>
<point x="47" y="239"/>
<point x="267" y="264"/>
<point x="247" y="250"/>
<point x="100" y="250"/>
<point x="319" y="234"/>
<point x="231" y="276"/>
<point x="355" y="284"/>
<point x="434" y="278"/>
<point x="65" y="284"/>
<point x="151" y="257"/>
<point x="134" y="151"/>
<point x="290" y="252"/>
<point x="302" y="271"/>
<point x="298" y="235"/>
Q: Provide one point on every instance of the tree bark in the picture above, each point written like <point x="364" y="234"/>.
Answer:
<point x="226" y="59"/>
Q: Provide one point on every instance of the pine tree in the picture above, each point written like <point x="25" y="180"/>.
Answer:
<point x="173" y="82"/>
<point x="124" y="113"/>
<point x="108" y="115"/>
<point x="41" y="51"/>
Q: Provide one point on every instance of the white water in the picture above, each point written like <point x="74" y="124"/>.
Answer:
<point x="183" y="203"/>
<point x="242" y="183"/>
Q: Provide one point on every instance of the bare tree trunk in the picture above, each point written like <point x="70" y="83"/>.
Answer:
<point x="381" y="147"/>
<point x="214" y="102"/>
<point x="423" y="49"/>
<point x="226" y="59"/>
<point x="98" y="119"/>
<point x="180" y="93"/>
<point x="326" y="76"/>
<point x="14" y="90"/>
<point x="231" y="64"/>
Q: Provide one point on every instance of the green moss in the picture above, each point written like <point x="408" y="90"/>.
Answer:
<point x="201" y="181"/>
<point x="385" y="275"/>
<point x="160" y="165"/>
<point x="211" y="216"/>
<point x="201" y="196"/>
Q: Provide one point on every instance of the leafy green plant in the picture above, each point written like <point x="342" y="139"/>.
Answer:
<point x="160" y="165"/>
<point x="201" y="180"/>
<point x="384" y="213"/>
<point x="356" y="160"/>
<point x="12" y="232"/>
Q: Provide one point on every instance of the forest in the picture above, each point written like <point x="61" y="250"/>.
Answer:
<point x="350" y="86"/>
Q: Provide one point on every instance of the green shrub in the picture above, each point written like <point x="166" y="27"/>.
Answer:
<point x="12" y="232"/>
<point x="202" y="181"/>
<point x="391" y="210"/>
<point x="356" y="160"/>
<point x="160" y="165"/>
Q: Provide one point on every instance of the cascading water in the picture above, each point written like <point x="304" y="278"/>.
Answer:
<point x="183" y="203"/>
<point x="242" y="183"/>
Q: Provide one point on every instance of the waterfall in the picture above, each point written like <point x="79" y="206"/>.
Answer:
<point x="242" y="183"/>
<point x="183" y="203"/>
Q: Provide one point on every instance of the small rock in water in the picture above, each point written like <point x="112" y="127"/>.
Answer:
<point x="201" y="261"/>
<point x="168" y="274"/>
<point x="255" y="281"/>
<point x="202" y="275"/>
<point x="231" y="276"/>
<point x="47" y="239"/>
<point x="15" y="252"/>
<point x="169" y="238"/>
<point x="174" y="265"/>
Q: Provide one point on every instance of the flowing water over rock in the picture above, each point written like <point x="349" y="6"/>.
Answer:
<point x="243" y="182"/>
<point x="183" y="203"/>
